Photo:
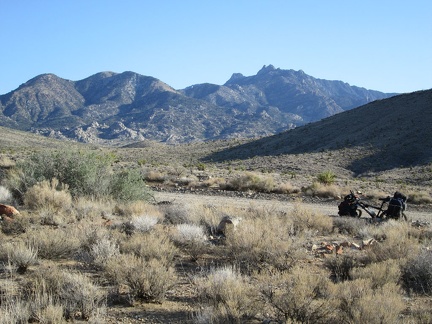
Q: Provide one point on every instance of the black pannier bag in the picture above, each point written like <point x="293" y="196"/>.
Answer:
<point x="397" y="205"/>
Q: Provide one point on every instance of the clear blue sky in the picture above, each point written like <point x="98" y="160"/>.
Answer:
<point x="383" y="45"/>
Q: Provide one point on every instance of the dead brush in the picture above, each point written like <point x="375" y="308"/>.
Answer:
<point x="21" y="255"/>
<point x="380" y="273"/>
<point x="76" y="292"/>
<point x="394" y="241"/>
<point x="296" y="295"/>
<point x="52" y="194"/>
<point x="261" y="242"/>
<point x="304" y="219"/>
<point x="252" y="181"/>
<point x="155" y="244"/>
<point x="53" y="243"/>
<point x="358" y="302"/>
<point x="148" y="281"/>
<point x="417" y="274"/>
<point x="226" y="296"/>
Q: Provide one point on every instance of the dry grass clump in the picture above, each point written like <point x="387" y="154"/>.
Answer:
<point x="144" y="223"/>
<point x="286" y="188"/>
<point x="380" y="273"/>
<point x="419" y="197"/>
<point x="323" y="190"/>
<point x="228" y="295"/>
<point x="92" y="209"/>
<point x="53" y="243"/>
<point x="146" y="280"/>
<point x="358" y="302"/>
<point x="251" y="181"/>
<point x="79" y="296"/>
<point x="191" y="238"/>
<point x="48" y="194"/>
<point x="155" y="244"/>
<point x="20" y="256"/>
<point x="154" y="176"/>
<point x="136" y="208"/>
<point x="341" y="267"/>
<point x="297" y="296"/>
<point x="304" y="219"/>
<point x="417" y="274"/>
<point x="260" y="242"/>
<point x="394" y="242"/>
<point x="350" y="226"/>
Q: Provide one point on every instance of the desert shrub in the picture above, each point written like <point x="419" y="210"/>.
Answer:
<point x="86" y="172"/>
<point x="417" y="274"/>
<point x="286" y="188"/>
<point x="91" y="209"/>
<point x="341" y="266"/>
<point x="419" y="197"/>
<point x="191" y="239"/>
<point x="326" y="177"/>
<point x="146" y="280"/>
<point x="379" y="273"/>
<point x="359" y="303"/>
<point x="186" y="233"/>
<point x="14" y="310"/>
<point x="5" y="195"/>
<point x="48" y="194"/>
<point x="19" y="225"/>
<point x="21" y="255"/>
<point x="304" y="219"/>
<point x="154" y="176"/>
<point x="144" y="223"/>
<point x="323" y="190"/>
<point x="252" y="181"/>
<point x="228" y="295"/>
<point x="74" y="291"/>
<point x="53" y="243"/>
<point x="297" y="296"/>
<point x="152" y="245"/>
<point x="175" y="214"/>
<point x="129" y="186"/>
<point x="394" y="242"/>
<point x="261" y="242"/>
<point x="102" y="251"/>
<point x="350" y="225"/>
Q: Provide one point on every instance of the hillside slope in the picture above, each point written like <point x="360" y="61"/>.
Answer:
<point x="393" y="132"/>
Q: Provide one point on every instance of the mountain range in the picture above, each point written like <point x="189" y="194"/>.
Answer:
<point x="125" y="107"/>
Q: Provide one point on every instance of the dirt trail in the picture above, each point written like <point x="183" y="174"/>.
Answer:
<point x="325" y="208"/>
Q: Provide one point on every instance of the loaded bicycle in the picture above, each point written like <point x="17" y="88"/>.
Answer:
<point x="390" y="208"/>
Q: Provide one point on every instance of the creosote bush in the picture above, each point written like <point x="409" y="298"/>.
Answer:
<point x="85" y="172"/>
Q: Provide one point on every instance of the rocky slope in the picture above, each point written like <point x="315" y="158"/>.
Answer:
<point x="126" y="107"/>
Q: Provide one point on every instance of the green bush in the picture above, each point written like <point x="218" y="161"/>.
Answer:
<point x="85" y="172"/>
<point x="129" y="186"/>
<point x="326" y="177"/>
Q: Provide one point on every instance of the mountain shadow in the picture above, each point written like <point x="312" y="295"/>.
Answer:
<point x="390" y="133"/>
